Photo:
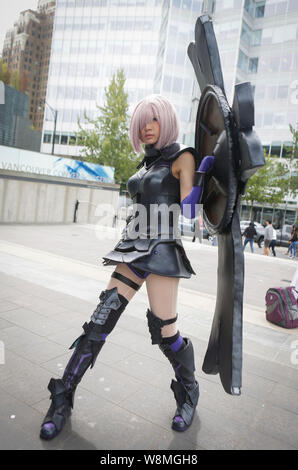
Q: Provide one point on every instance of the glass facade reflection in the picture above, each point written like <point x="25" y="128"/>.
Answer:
<point x="268" y="58"/>
<point x="257" y="40"/>
<point x="94" y="38"/>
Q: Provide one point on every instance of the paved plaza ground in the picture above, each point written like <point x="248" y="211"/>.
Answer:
<point x="50" y="278"/>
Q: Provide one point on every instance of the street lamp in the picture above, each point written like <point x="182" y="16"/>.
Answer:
<point x="55" y="114"/>
<point x="289" y="167"/>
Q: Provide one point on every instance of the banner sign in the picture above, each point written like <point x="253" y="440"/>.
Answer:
<point x="42" y="164"/>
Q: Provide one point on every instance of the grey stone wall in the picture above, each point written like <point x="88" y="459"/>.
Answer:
<point x="26" y="198"/>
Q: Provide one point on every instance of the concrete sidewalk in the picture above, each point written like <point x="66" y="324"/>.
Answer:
<point x="125" y="402"/>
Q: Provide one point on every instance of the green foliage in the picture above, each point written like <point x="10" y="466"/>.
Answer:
<point x="272" y="183"/>
<point x="261" y="187"/>
<point x="7" y="77"/>
<point x="15" y="80"/>
<point x="106" y="139"/>
<point x="290" y="183"/>
<point x="4" y="73"/>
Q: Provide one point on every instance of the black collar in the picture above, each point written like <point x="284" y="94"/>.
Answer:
<point x="152" y="154"/>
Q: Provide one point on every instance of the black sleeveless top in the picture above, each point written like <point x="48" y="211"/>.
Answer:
<point x="155" y="193"/>
<point x="153" y="227"/>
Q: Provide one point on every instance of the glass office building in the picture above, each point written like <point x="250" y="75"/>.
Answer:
<point x="268" y="57"/>
<point x="257" y="39"/>
<point x="94" y="38"/>
<point x="258" y="42"/>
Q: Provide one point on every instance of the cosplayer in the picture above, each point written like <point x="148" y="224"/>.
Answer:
<point x="149" y="251"/>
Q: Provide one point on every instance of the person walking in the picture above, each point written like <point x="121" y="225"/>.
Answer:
<point x="273" y="241"/>
<point x="289" y="242"/>
<point x="267" y="237"/>
<point x="249" y="234"/>
<point x="293" y="243"/>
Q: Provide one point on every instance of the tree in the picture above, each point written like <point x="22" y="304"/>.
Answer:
<point x="5" y="73"/>
<point x="9" y="78"/>
<point x="292" y="163"/>
<point x="15" y="80"/>
<point x="265" y="186"/>
<point x="106" y="141"/>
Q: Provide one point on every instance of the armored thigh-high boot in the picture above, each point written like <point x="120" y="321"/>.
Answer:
<point x="180" y="353"/>
<point x="87" y="348"/>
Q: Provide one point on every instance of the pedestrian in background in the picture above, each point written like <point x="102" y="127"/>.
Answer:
<point x="214" y="240"/>
<point x="267" y="237"/>
<point x="288" y="250"/>
<point x="249" y="234"/>
<point x="273" y="241"/>
<point x="293" y="243"/>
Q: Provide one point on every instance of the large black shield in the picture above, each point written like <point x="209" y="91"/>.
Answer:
<point x="228" y="135"/>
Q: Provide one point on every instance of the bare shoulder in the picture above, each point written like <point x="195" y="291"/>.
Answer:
<point x="185" y="161"/>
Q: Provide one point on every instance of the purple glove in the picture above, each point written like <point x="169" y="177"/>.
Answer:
<point x="206" y="164"/>
<point x="189" y="205"/>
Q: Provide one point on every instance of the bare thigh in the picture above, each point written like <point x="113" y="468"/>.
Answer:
<point x="124" y="289"/>
<point x="162" y="294"/>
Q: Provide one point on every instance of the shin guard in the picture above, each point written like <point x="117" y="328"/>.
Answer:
<point x="87" y="348"/>
<point x="89" y="344"/>
<point x="185" y="388"/>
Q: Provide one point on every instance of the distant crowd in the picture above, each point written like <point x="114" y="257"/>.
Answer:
<point x="270" y="239"/>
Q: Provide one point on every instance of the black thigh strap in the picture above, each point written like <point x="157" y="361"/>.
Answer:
<point x="155" y="325"/>
<point x="126" y="280"/>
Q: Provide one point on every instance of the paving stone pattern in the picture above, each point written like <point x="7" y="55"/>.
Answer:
<point x="125" y="401"/>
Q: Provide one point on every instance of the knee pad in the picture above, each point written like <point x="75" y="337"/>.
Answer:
<point x="109" y="309"/>
<point x="155" y="325"/>
<point x="103" y="320"/>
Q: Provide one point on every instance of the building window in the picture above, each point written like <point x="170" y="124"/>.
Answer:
<point x="246" y="34"/>
<point x="293" y="5"/>
<point x="47" y="138"/>
<point x="253" y="65"/>
<point x="282" y="91"/>
<point x="167" y="81"/>
<point x="275" y="149"/>
<point x="177" y="85"/>
<point x="242" y="61"/>
<point x="260" y="9"/>
<point x="64" y="139"/>
<point x="256" y="37"/>
<point x="249" y="7"/>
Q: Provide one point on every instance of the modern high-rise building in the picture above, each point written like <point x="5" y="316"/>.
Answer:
<point x="258" y="42"/>
<point x="267" y="56"/>
<point x="257" y="39"/>
<point x="26" y="50"/>
<point x="15" y="127"/>
<point x="94" y="38"/>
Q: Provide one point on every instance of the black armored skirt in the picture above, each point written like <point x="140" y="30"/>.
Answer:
<point x="165" y="257"/>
